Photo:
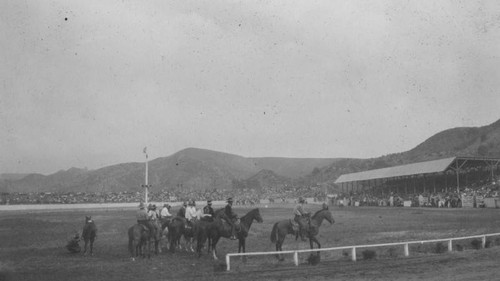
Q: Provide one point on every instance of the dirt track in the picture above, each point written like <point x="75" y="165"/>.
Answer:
<point x="32" y="243"/>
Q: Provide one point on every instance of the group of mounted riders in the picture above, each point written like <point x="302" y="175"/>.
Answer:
<point x="151" y="219"/>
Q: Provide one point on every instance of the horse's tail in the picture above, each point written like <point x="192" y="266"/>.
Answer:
<point x="274" y="233"/>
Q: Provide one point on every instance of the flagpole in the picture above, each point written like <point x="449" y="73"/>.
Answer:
<point x="146" y="185"/>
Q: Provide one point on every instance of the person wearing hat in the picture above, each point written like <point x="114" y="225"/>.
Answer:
<point x="165" y="212"/>
<point x="208" y="211"/>
<point x="232" y="217"/>
<point x="191" y="211"/>
<point x="300" y="217"/>
<point x="152" y="216"/>
<point x="73" y="246"/>
<point x="142" y="217"/>
<point x="191" y="214"/>
<point x="182" y="211"/>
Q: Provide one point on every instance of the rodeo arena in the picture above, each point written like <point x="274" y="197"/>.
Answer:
<point x="419" y="213"/>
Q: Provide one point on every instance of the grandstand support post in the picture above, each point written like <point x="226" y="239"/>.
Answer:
<point x="407" y="251"/>
<point x="353" y="254"/>
<point x="450" y="245"/>
<point x="296" y="258"/>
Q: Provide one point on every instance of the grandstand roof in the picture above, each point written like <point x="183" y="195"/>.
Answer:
<point x="427" y="167"/>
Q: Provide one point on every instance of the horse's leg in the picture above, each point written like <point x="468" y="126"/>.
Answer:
<point x="92" y="246"/>
<point x="242" y="243"/>
<point x="281" y="240"/>
<point x="85" y="247"/>
<point x="214" y="247"/>
<point x="209" y="248"/>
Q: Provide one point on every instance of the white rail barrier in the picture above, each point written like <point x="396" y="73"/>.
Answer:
<point x="353" y="248"/>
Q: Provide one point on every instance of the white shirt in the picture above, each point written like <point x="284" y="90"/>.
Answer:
<point x="165" y="213"/>
<point x="190" y="212"/>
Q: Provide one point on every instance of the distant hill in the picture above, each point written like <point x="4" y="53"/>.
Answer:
<point x="12" y="176"/>
<point x="192" y="168"/>
<point x="197" y="169"/>
<point x="462" y="141"/>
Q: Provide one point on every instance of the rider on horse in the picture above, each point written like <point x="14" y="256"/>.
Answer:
<point x="232" y="217"/>
<point x="208" y="211"/>
<point x="182" y="211"/>
<point x="300" y="216"/>
<point x="143" y="219"/>
<point x="165" y="212"/>
<point x="191" y="214"/>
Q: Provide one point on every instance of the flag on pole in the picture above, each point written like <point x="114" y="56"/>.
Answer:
<point x="145" y="151"/>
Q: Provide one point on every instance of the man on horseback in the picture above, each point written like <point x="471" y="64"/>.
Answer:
<point x="232" y="217"/>
<point x="300" y="216"/>
<point x="143" y="218"/>
<point x="165" y="212"/>
<point x="208" y="211"/>
<point x="182" y="211"/>
<point x="191" y="213"/>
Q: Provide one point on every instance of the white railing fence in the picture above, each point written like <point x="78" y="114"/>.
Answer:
<point x="353" y="248"/>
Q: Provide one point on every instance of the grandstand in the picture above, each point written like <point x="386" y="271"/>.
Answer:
<point x="456" y="174"/>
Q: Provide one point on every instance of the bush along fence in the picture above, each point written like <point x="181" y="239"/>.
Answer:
<point x="476" y="244"/>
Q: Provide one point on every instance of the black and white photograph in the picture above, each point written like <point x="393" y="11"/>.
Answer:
<point x="249" y="140"/>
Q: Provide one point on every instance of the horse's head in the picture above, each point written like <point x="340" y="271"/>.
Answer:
<point x="329" y="216"/>
<point x="88" y="219"/>
<point x="257" y="216"/>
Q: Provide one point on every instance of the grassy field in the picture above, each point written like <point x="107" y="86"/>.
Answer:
<point x="32" y="247"/>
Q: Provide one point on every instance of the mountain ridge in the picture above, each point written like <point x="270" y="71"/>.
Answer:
<point x="197" y="168"/>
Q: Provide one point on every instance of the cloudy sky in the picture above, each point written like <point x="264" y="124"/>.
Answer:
<point x="91" y="83"/>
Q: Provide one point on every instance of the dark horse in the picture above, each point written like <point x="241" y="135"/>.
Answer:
<point x="89" y="234"/>
<point x="176" y="229"/>
<point x="213" y="231"/>
<point x="284" y="227"/>
<point x="140" y="240"/>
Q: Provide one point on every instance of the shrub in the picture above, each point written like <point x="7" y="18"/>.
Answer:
<point x="392" y="252"/>
<point x="441" y="248"/>
<point x="488" y="244"/>
<point x="459" y="247"/>
<point x="476" y="244"/>
<point x="369" y="254"/>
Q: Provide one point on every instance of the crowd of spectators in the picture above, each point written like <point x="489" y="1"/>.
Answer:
<point x="475" y="193"/>
<point x="244" y="196"/>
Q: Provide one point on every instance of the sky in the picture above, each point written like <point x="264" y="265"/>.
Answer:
<point x="89" y="84"/>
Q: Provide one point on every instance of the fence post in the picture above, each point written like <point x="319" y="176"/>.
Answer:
<point x="228" y="267"/>
<point x="296" y="258"/>
<point x="484" y="241"/>
<point x="407" y="251"/>
<point x="450" y="245"/>
<point x="353" y="253"/>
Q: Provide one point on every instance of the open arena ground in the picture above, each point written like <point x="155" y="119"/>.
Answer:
<point x="32" y="247"/>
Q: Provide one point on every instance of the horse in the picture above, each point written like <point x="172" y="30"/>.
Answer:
<point x="284" y="227"/>
<point x="165" y="222"/>
<point x="179" y="228"/>
<point x="89" y="234"/>
<point x="140" y="239"/>
<point x="215" y="230"/>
